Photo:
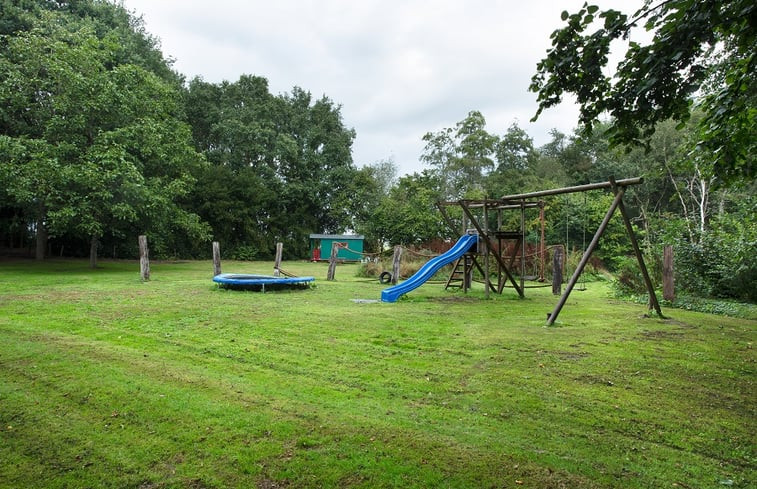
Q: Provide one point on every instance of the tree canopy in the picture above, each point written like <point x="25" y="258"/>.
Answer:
<point x="702" y="55"/>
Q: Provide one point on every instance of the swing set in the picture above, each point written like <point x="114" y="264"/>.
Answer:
<point x="476" y="212"/>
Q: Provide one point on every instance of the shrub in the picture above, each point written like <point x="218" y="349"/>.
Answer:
<point x="245" y="253"/>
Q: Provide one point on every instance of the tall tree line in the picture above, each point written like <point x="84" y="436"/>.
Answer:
<point x="101" y="140"/>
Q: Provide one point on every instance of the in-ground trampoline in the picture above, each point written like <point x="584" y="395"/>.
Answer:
<point x="261" y="283"/>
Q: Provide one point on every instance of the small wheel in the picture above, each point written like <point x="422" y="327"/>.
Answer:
<point x="385" y="277"/>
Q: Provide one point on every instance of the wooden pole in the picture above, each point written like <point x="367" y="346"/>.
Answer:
<point x="485" y="237"/>
<point x="579" y="188"/>
<point x="332" y="261"/>
<point x="396" y="259"/>
<point x="668" y="284"/>
<point x="485" y="250"/>
<point x="585" y="258"/>
<point x="542" y="249"/>
<point x="523" y="245"/>
<point x="277" y="260"/>
<point x="557" y="265"/>
<point x="653" y="303"/>
<point x="216" y="258"/>
<point x="144" y="258"/>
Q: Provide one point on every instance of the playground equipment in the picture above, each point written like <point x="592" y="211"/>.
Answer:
<point x="463" y="245"/>
<point x="245" y="281"/>
<point x="491" y="241"/>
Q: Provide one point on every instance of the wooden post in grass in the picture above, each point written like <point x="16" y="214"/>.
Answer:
<point x="668" y="285"/>
<point x="332" y="261"/>
<point x="557" y="265"/>
<point x="144" y="258"/>
<point x="396" y="264"/>
<point x="277" y="260"/>
<point x="216" y="258"/>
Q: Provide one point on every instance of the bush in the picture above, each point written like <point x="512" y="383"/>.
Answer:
<point x="245" y="253"/>
<point x="409" y="264"/>
<point x="720" y="265"/>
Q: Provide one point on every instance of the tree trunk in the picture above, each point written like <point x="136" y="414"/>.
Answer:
<point x="668" y="284"/>
<point x="41" y="237"/>
<point x="93" y="242"/>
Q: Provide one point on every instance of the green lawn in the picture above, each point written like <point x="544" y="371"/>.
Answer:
<point x="106" y="381"/>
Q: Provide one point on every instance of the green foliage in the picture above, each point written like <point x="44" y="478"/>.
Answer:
<point x="461" y="156"/>
<point x="408" y="215"/>
<point x="244" y="253"/>
<point x="628" y="277"/>
<point x="91" y="146"/>
<point x="281" y="165"/>
<point x="659" y="81"/>
<point x="722" y="263"/>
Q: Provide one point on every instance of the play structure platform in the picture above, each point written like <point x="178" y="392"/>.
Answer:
<point x="465" y="244"/>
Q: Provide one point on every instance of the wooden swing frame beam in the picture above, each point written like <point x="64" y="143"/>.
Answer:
<point x="521" y="201"/>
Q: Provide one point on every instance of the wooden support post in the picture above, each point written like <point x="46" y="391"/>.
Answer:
<point x="467" y="272"/>
<point x="668" y="284"/>
<point x="485" y="251"/>
<point x="485" y="237"/>
<point x="332" y="261"/>
<point x="144" y="258"/>
<point x="448" y="220"/>
<point x="216" y="258"/>
<point x="523" y="244"/>
<point x="653" y="303"/>
<point x="277" y="260"/>
<point x="585" y="258"/>
<point x="396" y="259"/>
<point x="542" y="249"/>
<point x="557" y="264"/>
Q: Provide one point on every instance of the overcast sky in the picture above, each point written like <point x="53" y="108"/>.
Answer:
<point x="398" y="68"/>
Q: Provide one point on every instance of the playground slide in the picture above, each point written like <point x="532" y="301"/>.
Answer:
<point x="429" y="269"/>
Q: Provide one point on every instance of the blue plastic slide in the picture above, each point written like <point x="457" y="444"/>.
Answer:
<point x="428" y="270"/>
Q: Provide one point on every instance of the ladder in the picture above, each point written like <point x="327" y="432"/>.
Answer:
<point x="460" y="269"/>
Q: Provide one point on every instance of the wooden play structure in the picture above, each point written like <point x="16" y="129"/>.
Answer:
<point x="476" y="216"/>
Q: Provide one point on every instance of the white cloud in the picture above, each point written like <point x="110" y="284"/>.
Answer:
<point x="399" y="69"/>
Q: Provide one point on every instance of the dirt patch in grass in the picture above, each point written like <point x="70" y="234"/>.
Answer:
<point x="266" y="483"/>
<point x="455" y="299"/>
<point x="661" y="335"/>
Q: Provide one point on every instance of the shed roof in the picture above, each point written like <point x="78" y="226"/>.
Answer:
<point x="337" y="236"/>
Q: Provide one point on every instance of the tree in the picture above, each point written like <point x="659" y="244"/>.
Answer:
<point x="461" y="156"/>
<point x="88" y="144"/>
<point x="408" y="215"/>
<point x="665" y="78"/>
<point x="287" y="159"/>
<point x="369" y="186"/>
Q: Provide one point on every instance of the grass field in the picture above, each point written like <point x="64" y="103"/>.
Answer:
<point x="106" y="381"/>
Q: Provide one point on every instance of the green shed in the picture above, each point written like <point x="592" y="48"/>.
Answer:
<point x="350" y="246"/>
